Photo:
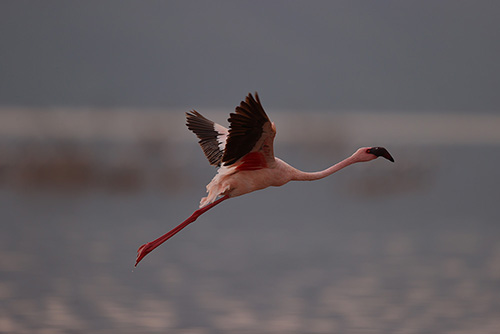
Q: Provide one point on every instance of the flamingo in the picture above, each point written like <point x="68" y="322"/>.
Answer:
<point x="246" y="161"/>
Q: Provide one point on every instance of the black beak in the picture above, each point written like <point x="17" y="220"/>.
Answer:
<point x="381" y="152"/>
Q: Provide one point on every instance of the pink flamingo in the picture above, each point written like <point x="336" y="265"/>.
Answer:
<point x="247" y="163"/>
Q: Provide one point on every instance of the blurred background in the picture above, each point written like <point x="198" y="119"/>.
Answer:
<point x="95" y="160"/>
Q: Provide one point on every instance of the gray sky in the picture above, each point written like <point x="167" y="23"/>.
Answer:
<point x="304" y="55"/>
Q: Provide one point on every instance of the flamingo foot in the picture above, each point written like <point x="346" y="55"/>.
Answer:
<point x="150" y="246"/>
<point x="142" y="252"/>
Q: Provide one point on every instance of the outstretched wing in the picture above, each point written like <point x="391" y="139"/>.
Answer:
<point x="250" y="130"/>
<point x="212" y="136"/>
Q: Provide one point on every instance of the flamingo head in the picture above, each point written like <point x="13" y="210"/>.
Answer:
<point x="371" y="153"/>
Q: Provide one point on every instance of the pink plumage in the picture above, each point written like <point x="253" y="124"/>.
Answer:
<point x="246" y="161"/>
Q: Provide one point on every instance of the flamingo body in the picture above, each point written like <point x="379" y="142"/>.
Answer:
<point x="248" y="177"/>
<point x="245" y="156"/>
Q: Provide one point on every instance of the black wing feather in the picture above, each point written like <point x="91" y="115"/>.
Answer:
<point x="246" y="128"/>
<point x="205" y="131"/>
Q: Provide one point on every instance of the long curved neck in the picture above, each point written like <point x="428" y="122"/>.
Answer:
<point x="311" y="176"/>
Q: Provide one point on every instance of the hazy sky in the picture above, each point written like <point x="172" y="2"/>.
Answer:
<point x="304" y="55"/>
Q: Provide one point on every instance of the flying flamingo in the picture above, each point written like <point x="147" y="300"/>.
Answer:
<point x="247" y="163"/>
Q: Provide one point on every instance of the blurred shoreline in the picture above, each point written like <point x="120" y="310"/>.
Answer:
<point x="131" y="150"/>
<point x="417" y="128"/>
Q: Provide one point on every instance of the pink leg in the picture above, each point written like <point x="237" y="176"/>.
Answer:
<point x="150" y="246"/>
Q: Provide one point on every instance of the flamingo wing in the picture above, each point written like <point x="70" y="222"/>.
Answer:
<point x="212" y="136"/>
<point x="251" y="136"/>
